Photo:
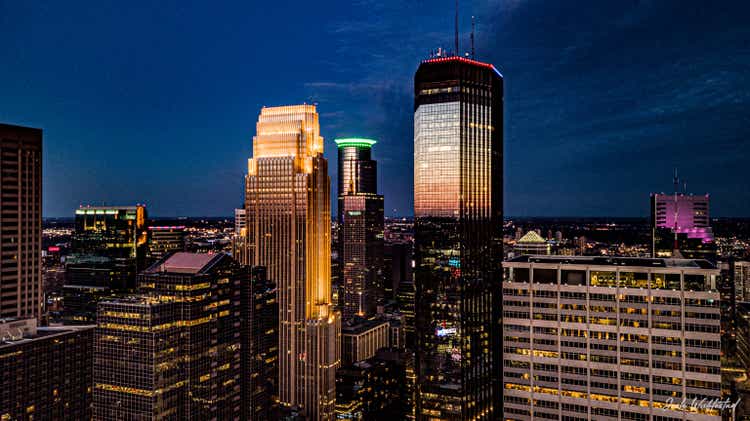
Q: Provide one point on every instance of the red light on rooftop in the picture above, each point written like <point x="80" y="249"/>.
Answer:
<point x="460" y="59"/>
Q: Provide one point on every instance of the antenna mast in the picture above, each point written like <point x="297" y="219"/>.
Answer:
<point x="676" y="208"/>
<point x="456" y="36"/>
<point x="472" y="38"/>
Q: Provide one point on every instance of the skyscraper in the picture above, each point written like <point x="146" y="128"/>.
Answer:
<point x="680" y="225"/>
<point x="289" y="232"/>
<point x="163" y="240"/>
<point x="458" y="208"/>
<point x="173" y="351"/>
<point x="239" y="237"/>
<point x="360" y="228"/>
<point x="109" y="247"/>
<point x="21" y="221"/>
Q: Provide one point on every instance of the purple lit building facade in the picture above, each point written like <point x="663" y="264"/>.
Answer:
<point x="685" y="214"/>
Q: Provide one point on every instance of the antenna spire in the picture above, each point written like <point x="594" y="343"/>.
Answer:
<point x="456" y="36"/>
<point x="472" y="38"/>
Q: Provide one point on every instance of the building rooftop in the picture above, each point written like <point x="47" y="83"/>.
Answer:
<point x="355" y="141"/>
<point x="187" y="263"/>
<point x="361" y="325"/>
<point x="617" y="261"/>
<point x="531" y="237"/>
<point x="21" y="331"/>
<point x="127" y="207"/>
<point x="459" y="59"/>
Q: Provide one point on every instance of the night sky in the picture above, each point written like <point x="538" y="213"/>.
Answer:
<point x="157" y="104"/>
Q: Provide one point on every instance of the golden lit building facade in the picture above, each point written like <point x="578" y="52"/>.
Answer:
<point x="287" y="200"/>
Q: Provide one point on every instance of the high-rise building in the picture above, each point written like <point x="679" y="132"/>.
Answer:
<point x="360" y="228"/>
<point x="376" y="388"/>
<point x="173" y="351"/>
<point x="260" y="345"/>
<point x="109" y="247"/>
<point x="397" y="257"/>
<point x="681" y="213"/>
<point x="289" y="232"/>
<point x="138" y="360"/>
<point x="680" y="225"/>
<point x="164" y="239"/>
<point x="45" y="373"/>
<point x="21" y="222"/>
<point x="239" y="237"/>
<point x="610" y="338"/>
<point x="458" y="209"/>
<point x="240" y="221"/>
<point x="741" y="277"/>
<point x="405" y="296"/>
<point x="362" y="338"/>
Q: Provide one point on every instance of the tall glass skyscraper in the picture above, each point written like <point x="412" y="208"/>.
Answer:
<point x="109" y="245"/>
<point x="288" y="206"/>
<point x="458" y="206"/>
<point x="360" y="227"/>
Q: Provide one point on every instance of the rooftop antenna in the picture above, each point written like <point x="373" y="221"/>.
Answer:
<point x="456" y="36"/>
<point x="676" y="208"/>
<point x="472" y="38"/>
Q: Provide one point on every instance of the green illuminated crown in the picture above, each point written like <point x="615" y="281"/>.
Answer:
<point x="355" y="141"/>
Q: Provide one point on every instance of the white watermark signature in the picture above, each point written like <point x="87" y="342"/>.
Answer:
<point x="705" y="403"/>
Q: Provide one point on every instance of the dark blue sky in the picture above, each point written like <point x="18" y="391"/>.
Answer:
<point x="158" y="103"/>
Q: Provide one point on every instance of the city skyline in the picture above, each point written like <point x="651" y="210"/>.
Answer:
<point x="666" y="94"/>
<point x="571" y="115"/>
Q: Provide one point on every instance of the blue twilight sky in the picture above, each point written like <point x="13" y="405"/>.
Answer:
<point x="156" y="102"/>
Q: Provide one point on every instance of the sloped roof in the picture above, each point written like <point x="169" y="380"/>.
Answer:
<point x="532" y="237"/>
<point x="183" y="262"/>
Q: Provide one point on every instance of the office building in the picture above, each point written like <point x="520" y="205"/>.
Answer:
<point x="610" y="338"/>
<point x="21" y="291"/>
<point x="680" y="225"/>
<point x="45" y="372"/>
<point x="681" y="213"/>
<point x="239" y="237"/>
<point x="406" y="306"/>
<point x="362" y="338"/>
<point x="109" y="247"/>
<point x="361" y="227"/>
<point x="397" y="257"/>
<point x="139" y="373"/>
<point x="173" y="351"/>
<point x="741" y="274"/>
<point x="458" y="207"/>
<point x="260" y="345"/>
<point x="240" y="221"/>
<point x="289" y="232"/>
<point x="163" y="240"/>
